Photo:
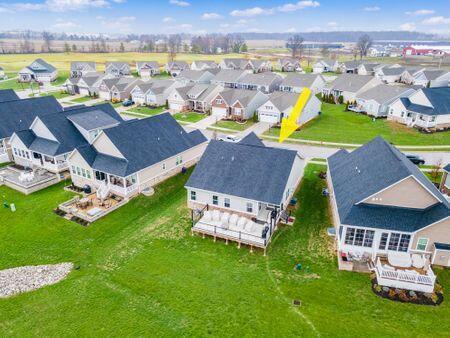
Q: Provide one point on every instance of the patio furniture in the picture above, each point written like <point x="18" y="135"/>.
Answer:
<point x="94" y="211"/>
<point x="418" y="261"/>
<point x="400" y="259"/>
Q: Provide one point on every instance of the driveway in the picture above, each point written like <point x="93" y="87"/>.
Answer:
<point x="258" y="128"/>
<point x="205" y="123"/>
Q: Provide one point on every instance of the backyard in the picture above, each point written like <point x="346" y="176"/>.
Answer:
<point x="337" y="125"/>
<point x="232" y="125"/>
<point x="143" y="110"/>
<point x="140" y="272"/>
<point x="189" y="117"/>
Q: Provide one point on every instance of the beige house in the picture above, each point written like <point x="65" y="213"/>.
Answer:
<point x="134" y="156"/>
<point x="396" y="223"/>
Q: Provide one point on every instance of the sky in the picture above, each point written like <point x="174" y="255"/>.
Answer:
<point x="201" y="16"/>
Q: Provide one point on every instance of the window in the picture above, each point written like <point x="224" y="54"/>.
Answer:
<point x="88" y="174"/>
<point x="219" y="101"/>
<point x="359" y="237"/>
<point x="404" y="243"/>
<point x="249" y="207"/>
<point x="193" y="196"/>
<point x="383" y="240"/>
<point x="15" y="151"/>
<point x="368" y="239"/>
<point x="179" y="160"/>
<point x="393" y="241"/>
<point x="215" y="200"/>
<point x="226" y="202"/>
<point x="164" y="166"/>
<point x="349" y="236"/>
<point x="73" y="170"/>
<point x="78" y="171"/>
<point x="83" y="172"/>
<point x="422" y="244"/>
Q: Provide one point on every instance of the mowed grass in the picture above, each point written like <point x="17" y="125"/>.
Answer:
<point x="142" y="273"/>
<point x="189" y="117"/>
<point x="150" y="111"/>
<point x="232" y="125"/>
<point x="82" y="99"/>
<point x="337" y="125"/>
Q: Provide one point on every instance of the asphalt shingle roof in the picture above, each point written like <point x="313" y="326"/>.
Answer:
<point x="260" y="79"/>
<point x="370" y="169"/>
<point x="244" y="96"/>
<point x="439" y="98"/>
<point x="46" y="66"/>
<point x="351" y="82"/>
<point x="143" y="143"/>
<point x="384" y="93"/>
<point x="300" y="80"/>
<point x="8" y="95"/>
<point x="19" y="114"/>
<point x="229" y="75"/>
<point x="80" y="65"/>
<point x="245" y="170"/>
<point x="93" y="119"/>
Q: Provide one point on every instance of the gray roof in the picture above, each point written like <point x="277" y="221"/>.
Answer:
<point x="369" y="66"/>
<point x="328" y="62"/>
<point x="235" y="62"/>
<point x="369" y="169"/>
<point x="229" y="75"/>
<point x="209" y="63"/>
<point x="43" y="66"/>
<point x="252" y="140"/>
<point x="147" y="64"/>
<point x="260" y="79"/>
<point x="300" y="80"/>
<point x="124" y="82"/>
<point x="178" y="64"/>
<point x="93" y="119"/>
<point x="244" y="169"/>
<point x="384" y="93"/>
<point x="447" y="168"/>
<point x="391" y="71"/>
<point x="143" y="143"/>
<point x="156" y="86"/>
<point x="351" y="64"/>
<point x="80" y="65"/>
<point x="434" y="74"/>
<point x="66" y="134"/>
<point x="439" y="98"/>
<point x="285" y="61"/>
<point x="91" y="78"/>
<point x="351" y="82"/>
<point x="283" y="100"/>
<point x="192" y="75"/>
<point x="19" y="114"/>
<point x="8" y="95"/>
<point x="117" y="64"/>
<point x="244" y="96"/>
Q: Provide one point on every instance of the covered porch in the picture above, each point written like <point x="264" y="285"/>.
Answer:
<point x="413" y="119"/>
<point x="54" y="164"/>
<point x="122" y="186"/>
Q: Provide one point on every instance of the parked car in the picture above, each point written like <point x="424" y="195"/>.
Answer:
<point x="416" y="159"/>
<point x="229" y="138"/>
<point x="127" y="103"/>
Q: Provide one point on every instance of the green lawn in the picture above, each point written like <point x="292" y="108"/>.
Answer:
<point x="13" y="84"/>
<point x="82" y="99"/>
<point x="142" y="273"/>
<point x="189" y="117"/>
<point x="232" y="125"/>
<point x="337" y="125"/>
<point x="56" y="94"/>
<point x="147" y="110"/>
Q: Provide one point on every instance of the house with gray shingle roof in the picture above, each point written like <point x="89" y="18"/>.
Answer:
<point x="8" y="95"/>
<point x="86" y="85"/>
<point x="367" y="68"/>
<point x="136" y="155"/>
<point x="38" y="71"/>
<point x="265" y="82"/>
<point x="153" y="92"/>
<point x="80" y="68"/>
<point x="445" y="181"/>
<point x="289" y="65"/>
<point x="244" y="207"/>
<point x="17" y="115"/>
<point x="147" y="69"/>
<point x="189" y="76"/>
<point x="295" y="83"/>
<point x="117" y="69"/>
<point x="427" y="108"/>
<point x="325" y="66"/>
<point x="388" y="216"/>
<point x="376" y="100"/>
<point x="117" y="88"/>
<point x="200" y="96"/>
<point x="237" y="104"/>
<point x="228" y="78"/>
<point x="432" y="78"/>
<point x="49" y="140"/>
<point x="174" y="68"/>
<point x="280" y="104"/>
<point x="350" y="85"/>
<point x="204" y="65"/>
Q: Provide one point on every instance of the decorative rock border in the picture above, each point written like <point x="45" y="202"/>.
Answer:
<point x="28" y="278"/>
<point x="407" y="296"/>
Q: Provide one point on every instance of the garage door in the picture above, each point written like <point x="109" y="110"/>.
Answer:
<point x="84" y="91"/>
<point x="268" y="117"/>
<point x="220" y="112"/>
<point x="105" y="96"/>
<point x="175" y="106"/>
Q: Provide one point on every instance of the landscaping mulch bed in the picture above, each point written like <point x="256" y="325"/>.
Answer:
<point x="407" y="296"/>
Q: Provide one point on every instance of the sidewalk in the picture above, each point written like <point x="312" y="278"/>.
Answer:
<point x="205" y="123"/>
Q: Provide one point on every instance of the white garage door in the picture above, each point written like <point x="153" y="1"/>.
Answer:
<point x="105" y="96"/>
<point x="84" y="91"/>
<point x="220" y="112"/>
<point x="175" y="106"/>
<point x="267" y="117"/>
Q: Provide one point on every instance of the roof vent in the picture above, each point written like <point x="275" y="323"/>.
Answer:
<point x="158" y="138"/>
<point x="232" y="158"/>
<point x="357" y="170"/>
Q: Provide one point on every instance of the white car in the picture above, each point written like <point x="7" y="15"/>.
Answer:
<point x="229" y="138"/>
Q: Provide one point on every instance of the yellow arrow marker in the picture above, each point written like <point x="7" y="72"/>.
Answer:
<point x="289" y="125"/>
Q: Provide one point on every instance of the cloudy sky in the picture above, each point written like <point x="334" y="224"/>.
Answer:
<point x="201" y="16"/>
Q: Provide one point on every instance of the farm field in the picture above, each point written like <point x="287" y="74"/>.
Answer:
<point x="140" y="272"/>
<point x="15" y="62"/>
<point x="337" y="125"/>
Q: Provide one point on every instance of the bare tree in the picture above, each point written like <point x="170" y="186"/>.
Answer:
<point x="47" y="37"/>
<point x="364" y="43"/>
<point x="295" y="44"/>
<point x="325" y="52"/>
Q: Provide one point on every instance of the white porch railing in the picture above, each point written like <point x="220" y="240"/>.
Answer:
<point x="124" y="191"/>
<point x="404" y="279"/>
